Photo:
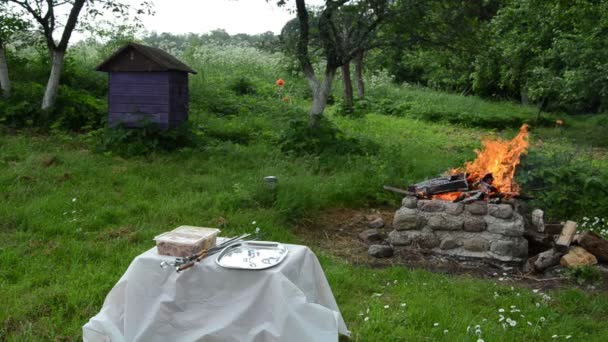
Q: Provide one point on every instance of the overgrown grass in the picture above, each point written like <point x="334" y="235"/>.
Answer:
<point x="71" y="219"/>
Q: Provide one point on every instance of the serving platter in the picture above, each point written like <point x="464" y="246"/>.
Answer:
<point x="252" y="255"/>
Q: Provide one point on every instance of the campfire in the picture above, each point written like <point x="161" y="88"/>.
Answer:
<point x="489" y="177"/>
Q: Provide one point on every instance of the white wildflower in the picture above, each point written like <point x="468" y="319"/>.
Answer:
<point x="403" y="304"/>
<point x="366" y="319"/>
<point x="435" y="324"/>
<point x="529" y="323"/>
<point x="446" y="331"/>
<point x="537" y="305"/>
<point x="542" y="319"/>
<point x="501" y="310"/>
<point x="502" y="318"/>
<point x="480" y="340"/>
<point x="568" y="337"/>
<point x="74" y="199"/>
<point x="253" y="222"/>
<point x="555" y="336"/>
<point x="386" y="306"/>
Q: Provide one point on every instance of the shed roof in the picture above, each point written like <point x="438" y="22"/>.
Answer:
<point x="157" y="60"/>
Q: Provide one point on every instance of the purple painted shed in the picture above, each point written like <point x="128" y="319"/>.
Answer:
<point x="146" y="84"/>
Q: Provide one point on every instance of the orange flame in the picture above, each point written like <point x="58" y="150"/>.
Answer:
<point x="498" y="157"/>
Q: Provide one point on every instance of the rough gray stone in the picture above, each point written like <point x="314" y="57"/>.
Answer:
<point x="503" y="211"/>
<point x="449" y="243"/>
<point x="514" y="227"/>
<point x="476" y="245"/>
<point x="402" y="238"/>
<point x="376" y="223"/>
<point x="538" y="220"/>
<point x="405" y="218"/>
<point x="445" y="222"/>
<point x="516" y="248"/>
<point x="427" y="240"/>
<point x="478" y="208"/>
<point x="454" y="208"/>
<point x="431" y="205"/>
<point x="380" y="251"/>
<point x="474" y="224"/>
<point x="370" y="235"/>
<point x="410" y="202"/>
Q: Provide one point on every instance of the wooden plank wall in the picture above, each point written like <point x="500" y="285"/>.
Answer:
<point x="137" y="95"/>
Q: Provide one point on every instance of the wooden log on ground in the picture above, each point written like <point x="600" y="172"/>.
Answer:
<point x="544" y="260"/>
<point x="595" y="245"/>
<point x="565" y="238"/>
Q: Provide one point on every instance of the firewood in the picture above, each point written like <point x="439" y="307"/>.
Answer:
<point x="399" y="191"/>
<point x="546" y="259"/>
<point x="595" y="245"/>
<point x="565" y="238"/>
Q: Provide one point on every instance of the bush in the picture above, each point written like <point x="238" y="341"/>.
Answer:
<point x="300" y="139"/>
<point x="585" y="274"/>
<point x="243" y="86"/>
<point x="564" y="182"/>
<point x="130" y="142"/>
<point x="75" y="110"/>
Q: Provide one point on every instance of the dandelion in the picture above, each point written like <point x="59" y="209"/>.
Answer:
<point x="280" y="82"/>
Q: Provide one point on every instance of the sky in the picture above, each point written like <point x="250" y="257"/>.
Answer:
<point x="234" y="16"/>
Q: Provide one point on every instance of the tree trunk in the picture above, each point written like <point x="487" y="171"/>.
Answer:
<point x="348" y="88"/>
<point x="359" y="75"/>
<point x="52" y="86"/>
<point x="5" y="82"/>
<point x="320" y="95"/>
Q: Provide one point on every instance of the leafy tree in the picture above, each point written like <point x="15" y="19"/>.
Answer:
<point x="553" y="52"/>
<point x="80" y="12"/>
<point x="10" y="23"/>
<point x="336" y="40"/>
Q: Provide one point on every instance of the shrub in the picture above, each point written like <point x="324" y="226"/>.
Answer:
<point x="243" y="86"/>
<point x="149" y="138"/>
<point x="75" y="110"/>
<point x="300" y="139"/>
<point x="585" y="274"/>
<point x="565" y="182"/>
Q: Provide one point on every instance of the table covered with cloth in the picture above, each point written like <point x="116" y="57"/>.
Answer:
<point x="289" y="302"/>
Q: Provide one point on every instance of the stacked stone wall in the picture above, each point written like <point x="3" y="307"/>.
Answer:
<point x="469" y="231"/>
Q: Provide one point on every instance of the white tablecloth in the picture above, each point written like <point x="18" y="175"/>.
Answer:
<point x="290" y="302"/>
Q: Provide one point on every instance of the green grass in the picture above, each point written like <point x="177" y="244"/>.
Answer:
<point x="69" y="230"/>
<point x="59" y="256"/>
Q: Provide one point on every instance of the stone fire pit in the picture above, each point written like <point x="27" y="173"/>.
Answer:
<point x="475" y="231"/>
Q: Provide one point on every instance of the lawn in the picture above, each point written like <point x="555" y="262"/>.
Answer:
<point x="72" y="219"/>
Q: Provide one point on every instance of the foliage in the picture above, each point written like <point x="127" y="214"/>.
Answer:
<point x="596" y="224"/>
<point x="147" y="139"/>
<point x="75" y="110"/>
<point x="243" y="86"/>
<point x="585" y="274"/>
<point x="301" y="139"/>
<point x="566" y="181"/>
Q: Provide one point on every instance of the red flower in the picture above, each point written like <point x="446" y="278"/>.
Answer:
<point x="280" y="82"/>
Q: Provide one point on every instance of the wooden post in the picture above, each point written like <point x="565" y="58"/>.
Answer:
<point x="565" y="238"/>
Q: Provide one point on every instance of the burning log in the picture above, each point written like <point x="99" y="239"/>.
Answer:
<point x="440" y="185"/>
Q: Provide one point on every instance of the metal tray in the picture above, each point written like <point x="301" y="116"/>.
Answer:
<point x="252" y="255"/>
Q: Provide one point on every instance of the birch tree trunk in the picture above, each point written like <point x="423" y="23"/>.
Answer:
<point x="320" y="94"/>
<point x="359" y="75"/>
<point x="52" y="86"/>
<point x="348" y="88"/>
<point x="5" y="82"/>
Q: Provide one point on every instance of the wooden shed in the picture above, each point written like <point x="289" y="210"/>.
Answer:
<point x="146" y="84"/>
